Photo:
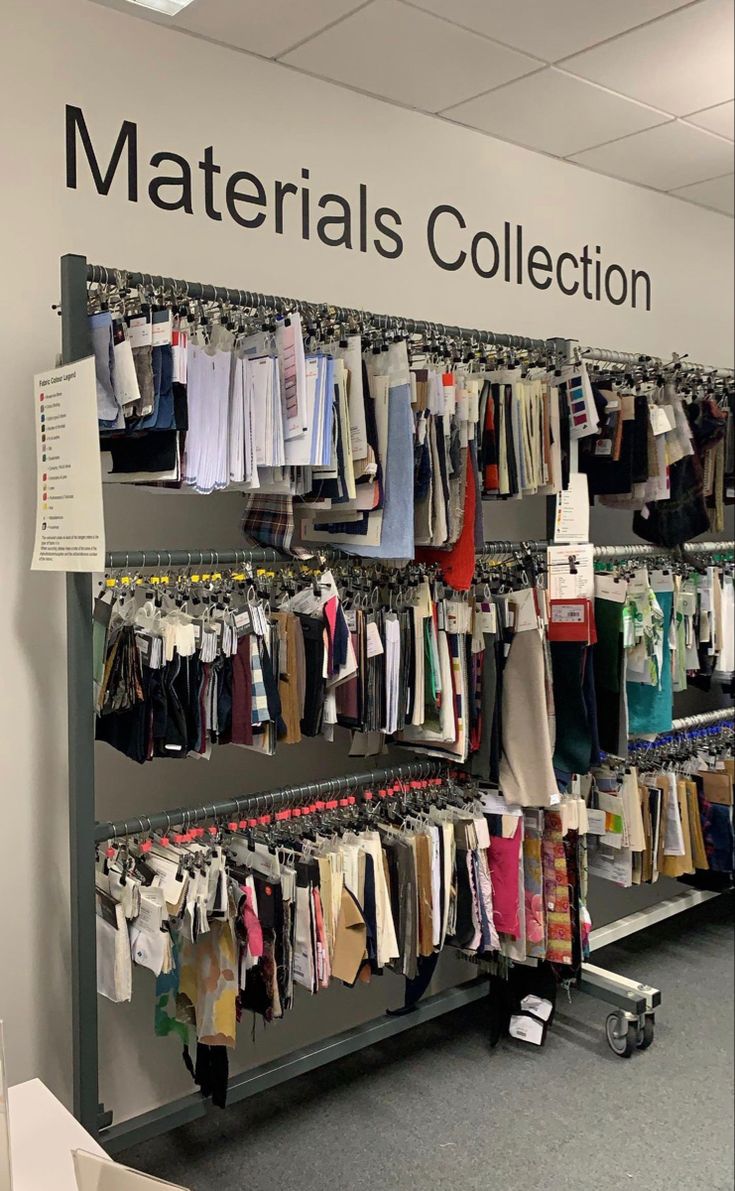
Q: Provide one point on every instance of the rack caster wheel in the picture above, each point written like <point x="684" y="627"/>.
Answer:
<point x="622" y="1033"/>
<point x="646" y="1032"/>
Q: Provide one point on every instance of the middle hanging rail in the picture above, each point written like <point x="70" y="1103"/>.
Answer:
<point x="117" y="559"/>
<point x="633" y="550"/>
<point x="641" y="550"/>
<point x="267" y="801"/>
<point x="179" y="557"/>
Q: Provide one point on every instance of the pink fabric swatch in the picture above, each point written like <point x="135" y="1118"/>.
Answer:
<point x="251" y="923"/>
<point x="503" y="859"/>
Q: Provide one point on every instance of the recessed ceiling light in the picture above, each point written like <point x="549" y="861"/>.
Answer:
<point x="169" y="8"/>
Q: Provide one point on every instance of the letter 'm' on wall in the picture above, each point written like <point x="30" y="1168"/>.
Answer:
<point x="128" y="135"/>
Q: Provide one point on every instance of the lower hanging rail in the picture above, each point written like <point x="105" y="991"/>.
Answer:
<point x="629" y="1028"/>
<point x="289" y="1066"/>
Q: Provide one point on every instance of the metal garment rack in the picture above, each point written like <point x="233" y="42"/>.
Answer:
<point x="76" y="273"/>
<point x="84" y="830"/>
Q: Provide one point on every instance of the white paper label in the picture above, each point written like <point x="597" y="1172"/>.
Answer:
<point x="526" y="1028"/>
<point x="662" y="581"/>
<point x="567" y="614"/>
<point x="607" y="587"/>
<point x="140" y="332"/>
<point x="70" y="527"/>
<point x="687" y="603"/>
<point x="573" y="511"/>
<point x="571" y="572"/>
<point x="639" y="584"/>
<point x="662" y="419"/>
<point x="374" y="642"/>
<point x="493" y="803"/>
<point x="538" y="1006"/>
<point x="595" y="821"/>
<point x="488" y="619"/>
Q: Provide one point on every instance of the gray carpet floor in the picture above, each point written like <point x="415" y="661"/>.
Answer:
<point x="435" y="1108"/>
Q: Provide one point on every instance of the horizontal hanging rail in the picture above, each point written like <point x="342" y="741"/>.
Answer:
<point x="685" y="723"/>
<point x="702" y="720"/>
<point x="267" y="801"/>
<point x="117" y="559"/>
<point x="639" y="550"/>
<point x="177" y="557"/>
<point x="603" y="355"/>
<point x="102" y="275"/>
<point x="500" y="547"/>
<point x="633" y="550"/>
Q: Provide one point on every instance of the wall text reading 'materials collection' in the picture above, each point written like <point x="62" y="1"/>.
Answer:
<point x="295" y="207"/>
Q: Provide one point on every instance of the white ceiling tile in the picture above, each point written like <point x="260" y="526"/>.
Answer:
<point x="556" y="113"/>
<point x="269" y="29"/>
<point x="549" y="30"/>
<point x="720" y="119"/>
<point x="666" y="157"/>
<point x="404" y="54"/>
<point x="680" y="64"/>
<point x="718" y="193"/>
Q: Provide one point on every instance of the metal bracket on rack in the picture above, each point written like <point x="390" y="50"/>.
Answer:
<point x="104" y="1117"/>
<point x="617" y="990"/>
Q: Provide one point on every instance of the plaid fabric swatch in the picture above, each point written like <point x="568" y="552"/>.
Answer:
<point x="269" y="520"/>
<point x="260" y="698"/>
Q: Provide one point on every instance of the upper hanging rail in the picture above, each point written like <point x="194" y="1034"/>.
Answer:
<point x="102" y="275"/>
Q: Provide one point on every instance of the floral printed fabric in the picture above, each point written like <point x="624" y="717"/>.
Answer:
<point x="643" y="630"/>
<point x="208" y="984"/>
<point x="167" y="991"/>
<point x="556" y="892"/>
<point x="533" y="882"/>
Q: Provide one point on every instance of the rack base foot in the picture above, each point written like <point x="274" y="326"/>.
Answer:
<point x="631" y="1026"/>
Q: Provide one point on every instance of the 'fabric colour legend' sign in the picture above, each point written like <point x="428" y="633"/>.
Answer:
<point x="70" y="527"/>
